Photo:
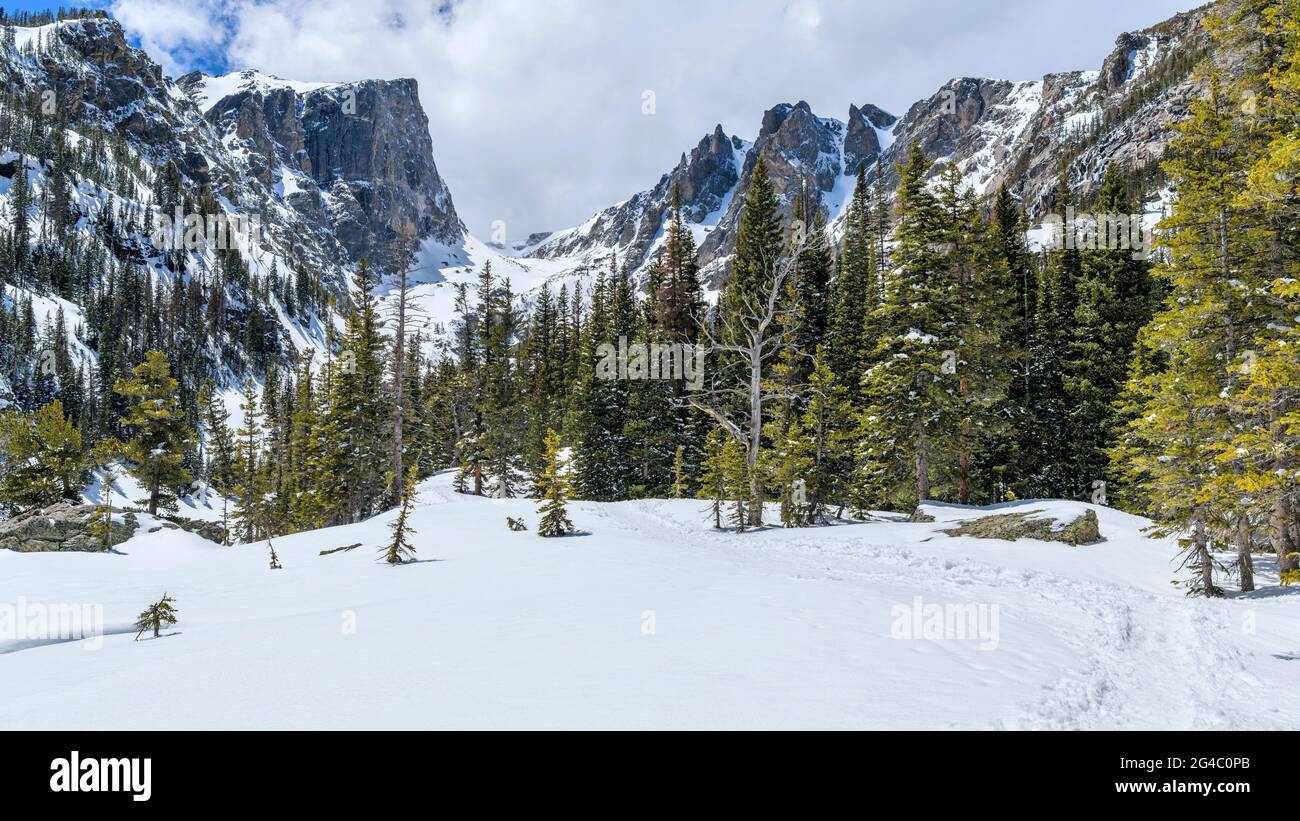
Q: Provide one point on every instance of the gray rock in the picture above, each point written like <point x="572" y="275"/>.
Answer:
<point x="61" y="527"/>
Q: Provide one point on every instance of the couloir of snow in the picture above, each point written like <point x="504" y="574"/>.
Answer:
<point x="649" y="620"/>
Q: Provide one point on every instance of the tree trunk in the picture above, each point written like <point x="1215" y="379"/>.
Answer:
<point x="153" y="496"/>
<point x="922" y="467"/>
<point x="1279" y="535"/>
<point x="964" y="490"/>
<point x="1207" y="561"/>
<point x="399" y="388"/>
<point x="1245" y="564"/>
<point x="755" y="440"/>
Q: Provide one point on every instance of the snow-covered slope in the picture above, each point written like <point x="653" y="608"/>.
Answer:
<point x="651" y="619"/>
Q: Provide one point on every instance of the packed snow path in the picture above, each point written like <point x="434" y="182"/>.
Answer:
<point x="652" y="620"/>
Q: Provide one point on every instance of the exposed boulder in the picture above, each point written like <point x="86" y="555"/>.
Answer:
<point x="61" y="527"/>
<point x="1012" y="526"/>
<point x="212" y="531"/>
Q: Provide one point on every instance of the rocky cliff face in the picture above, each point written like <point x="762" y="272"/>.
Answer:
<point x="802" y="151"/>
<point x="335" y="172"/>
<point x="354" y="159"/>
<point x="1023" y="134"/>
<point x="704" y="180"/>
<point x="341" y="172"/>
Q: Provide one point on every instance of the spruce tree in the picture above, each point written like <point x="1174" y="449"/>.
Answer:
<point x="399" y="549"/>
<point x="43" y="458"/>
<point x="713" y="477"/>
<point x="855" y="293"/>
<point x="552" y="487"/>
<point x="357" y="410"/>
<point x="913" y="406"/>
<point x="250" y="486"/>
<point x="1116" y="298"/>
<point x="159" y="435"/>
<point x="156" y="616"/>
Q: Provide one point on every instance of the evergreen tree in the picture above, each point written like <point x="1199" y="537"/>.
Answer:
<point x="1116" y="297"/>
<point x="912" y="404"/>
<point x="357" y="410"/>
<point x="159" y="435"/>
<point x="43" y="458"/>
<point x="553" y="490"/>
<point x="250" y="486"/>
<point x="399" y="549"/>
<point x="713" y="477"/>
<point x="854" y="294"/>
<point x="1191" y="473"/>
<point x="156" y="616"/>
<point x="759" y="242"/>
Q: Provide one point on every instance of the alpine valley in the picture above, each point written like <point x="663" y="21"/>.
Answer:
<point x="906" y="439"/>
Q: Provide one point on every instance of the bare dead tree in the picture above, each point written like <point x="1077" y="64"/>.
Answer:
<point x="754" y="331"/>
<point x="402" y="309"/>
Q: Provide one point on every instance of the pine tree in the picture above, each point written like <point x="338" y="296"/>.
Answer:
<point x="552" y="487"/>
<point x="43" y="458"/>
<point x="736" y="482"/>
<point x="759" y="242"/>
<point x="156" y="616"/>
<point x="357" y="410"/>
<point x="826" y="441"/>
<point x="713" y="477"/>
<point x="1267" y="33"/>
<point x="1191" y="471"/>
<point x="501" y="410"/>
<point x="216" y="435"/>
<point x="1116" y="298"/>
<point x="250" y="486"/>
<point x="100" y="526"/>
<point x="751" y="333"/>
<point x="1046" y="455"/>
<point x="1008" y="229"/>
<point x="601" y="398"/>
<point x="155" y="453"/>
<point x="679" y="473"/>
<point x="854" y="294"/>
<point x="912" y="402"/>
<point x="399" y="549"/>
<point x="275" y="560"/>
<point x="984" y="317"/>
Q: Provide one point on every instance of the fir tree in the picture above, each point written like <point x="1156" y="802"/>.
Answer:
<point x="552" y="489"/>
<point x="399" y="549"/>
<point x="250" y="485"/>
<point x="713" y="478"/>
<point x="912" y="402"/>
<point x="1116" y="297"/>
<point x="155" y="453"/>
<point x="43" y="458"/>
<point x="855" y="293"/>
<point x="156" y="616"/>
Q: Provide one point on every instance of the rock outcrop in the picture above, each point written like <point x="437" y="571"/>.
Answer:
<point x="355" y="157"/>
<point x="61" y="527"/>
<point x="1021" y="134"/>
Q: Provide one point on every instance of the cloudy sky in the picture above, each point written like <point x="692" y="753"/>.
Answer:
<point x="538" y="107"/>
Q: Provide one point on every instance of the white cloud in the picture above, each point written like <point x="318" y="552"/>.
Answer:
<point x="536" y="107"/>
